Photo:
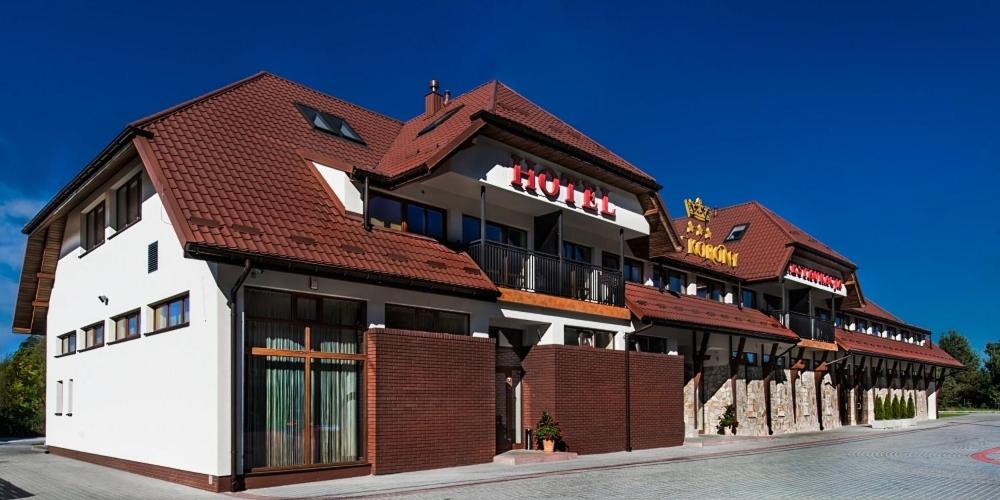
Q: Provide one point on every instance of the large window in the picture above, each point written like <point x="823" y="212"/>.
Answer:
<point x="93" y="335"/>
<point x="92" y="227"/>
<point x="633" y="268"/>
<point x="67" y="343"/>
<point x="650" y="344"/>
<point x="172" y="313"/>
<point x="304" y="379"/>
<point x="126" y="326"/>
<point x="426" y="320"/>
<point x="494" y="232"/>
<point x="409" y="216"/>
<point x="128" y="203"/>
<point x="749" y="299"/>
<point x="588" y="337"/>
<point x="709" y="289"/>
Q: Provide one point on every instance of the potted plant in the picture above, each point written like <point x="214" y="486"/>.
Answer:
<point x="547" y="431"/>
<point x="728" y="420"/>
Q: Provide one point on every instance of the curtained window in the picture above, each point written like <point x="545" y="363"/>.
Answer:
<point x="304" y="379"/>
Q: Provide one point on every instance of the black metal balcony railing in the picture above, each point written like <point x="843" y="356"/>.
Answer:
<point x="514" y="267"/>
<point x="806" y="326"/>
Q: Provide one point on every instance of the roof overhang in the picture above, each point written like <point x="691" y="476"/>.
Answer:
<point x="226" y="256"/>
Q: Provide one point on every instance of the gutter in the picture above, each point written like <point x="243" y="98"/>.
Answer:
<point x="208" y="253"/>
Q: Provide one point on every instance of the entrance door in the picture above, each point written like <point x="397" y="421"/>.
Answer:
<point x="509" y="353"/>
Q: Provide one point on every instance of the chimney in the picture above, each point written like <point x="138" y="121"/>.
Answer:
<point x="433" y="100"/>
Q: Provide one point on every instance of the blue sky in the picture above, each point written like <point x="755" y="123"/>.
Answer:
<point x="872" y="125"/>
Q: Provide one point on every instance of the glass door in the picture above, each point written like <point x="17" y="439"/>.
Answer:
<point x="304" y="380"/>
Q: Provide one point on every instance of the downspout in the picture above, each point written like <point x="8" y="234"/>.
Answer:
<point x="236" y="478"/>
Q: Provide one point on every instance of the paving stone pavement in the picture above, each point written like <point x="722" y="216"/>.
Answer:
<point x="932" y="460"/>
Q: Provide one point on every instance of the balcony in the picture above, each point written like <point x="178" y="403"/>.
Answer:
<point x="806" y="326"/>
<point x="521" y="269"/>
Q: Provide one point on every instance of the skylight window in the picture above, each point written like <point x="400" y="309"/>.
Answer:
<point x="737" y="232"/>
<point x="329" y="123"/>
<point x="439" y="120"/>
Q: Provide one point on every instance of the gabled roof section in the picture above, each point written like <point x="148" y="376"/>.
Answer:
<point x="231" y="174"/>
<point x="861" y="343"/>
<point x="765" y="248"/>
<point x="668" y="308"/>
<point x="498" y="104"/>
<point x="871" y="310"/>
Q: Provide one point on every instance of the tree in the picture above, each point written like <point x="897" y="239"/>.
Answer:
<point x="879" y="409"/>
<point x="968" y="387"/>
<point x="992" y="367"/>
<point x="894" y="411"/>
<point x="911" y="409"/>
<point x="22" y="389"/>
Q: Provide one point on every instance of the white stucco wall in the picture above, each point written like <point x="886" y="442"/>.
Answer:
<point x="161" y="399"/>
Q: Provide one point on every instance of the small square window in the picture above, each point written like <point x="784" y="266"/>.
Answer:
<point x="737" y="232"/>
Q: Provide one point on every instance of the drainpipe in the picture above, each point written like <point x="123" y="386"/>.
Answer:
<point x="236" y="478"/>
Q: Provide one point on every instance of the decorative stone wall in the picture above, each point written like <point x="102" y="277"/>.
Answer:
<point x="719" y="391"/>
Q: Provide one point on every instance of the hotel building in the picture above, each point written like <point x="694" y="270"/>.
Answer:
<point x="268" y="284"/>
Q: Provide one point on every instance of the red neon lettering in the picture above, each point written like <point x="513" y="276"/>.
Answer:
<point x="606" y="205"/>
<point x="589" y="200"/>
<point x="548" y="181"/>
<point x="570" y="198"/>
<point x="522" y="173"/>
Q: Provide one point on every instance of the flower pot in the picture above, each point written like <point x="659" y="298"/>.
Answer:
<point x="549" y="445"/>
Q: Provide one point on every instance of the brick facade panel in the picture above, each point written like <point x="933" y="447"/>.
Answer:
<point x="431" y="400"/>
<point x="584" y="390"/>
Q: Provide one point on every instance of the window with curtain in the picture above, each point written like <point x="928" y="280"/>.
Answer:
<point x="126" y="325"/>
<point x="304" y="379"/>
<point x="172" y="313"/>
<point x="93" y="335"/>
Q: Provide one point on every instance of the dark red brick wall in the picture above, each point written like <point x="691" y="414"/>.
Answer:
<point x="584" y="389"/>
<point x="430" y="400"/>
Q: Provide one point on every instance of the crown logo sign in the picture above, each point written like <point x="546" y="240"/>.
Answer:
<point x="697" y="210"/>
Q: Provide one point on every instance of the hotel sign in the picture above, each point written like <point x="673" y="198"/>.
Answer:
<point x="698" y="236"/>
<point x="529" y="176"/>
<point x="819" y="279"/>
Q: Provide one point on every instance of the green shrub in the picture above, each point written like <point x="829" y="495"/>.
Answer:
<point x="547" y="428"/>
<point x="879" y="409"/>
<point x="911" y="409"/>
<point x="895" y="412"/>
<point x="728" y="420"/>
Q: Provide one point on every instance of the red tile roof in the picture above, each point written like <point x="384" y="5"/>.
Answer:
<point x="860" y="343"/>
<point x="229" y="166"/>
<point x="765" y="248"/>
<point x="650" y="303"/>
<point x="410" y="151"/>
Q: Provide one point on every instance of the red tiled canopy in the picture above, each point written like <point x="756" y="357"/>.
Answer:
<point x="686" y="310"/>
<point x="861" y="343"/>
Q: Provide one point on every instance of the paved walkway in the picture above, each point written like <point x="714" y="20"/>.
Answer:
<point x="953" y="458"/>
